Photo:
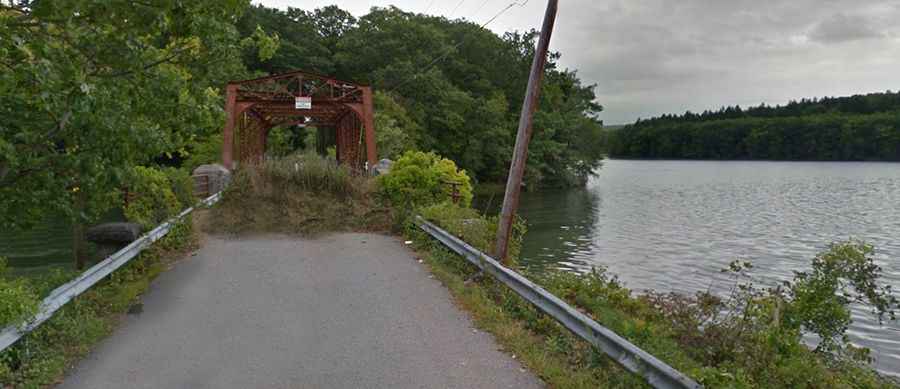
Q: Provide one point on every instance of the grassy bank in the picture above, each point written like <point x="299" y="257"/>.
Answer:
<point x="42" y="357"/>
<point x="303" y="194"/>
<point x="757" y="344"/>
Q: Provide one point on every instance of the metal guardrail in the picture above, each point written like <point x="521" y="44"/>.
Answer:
<point x="656" y="372"/>
<point x="68" y="291"/>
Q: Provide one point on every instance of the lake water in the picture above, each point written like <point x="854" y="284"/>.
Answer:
<point x="47" y="244"/>
<point x="672" y="225"/>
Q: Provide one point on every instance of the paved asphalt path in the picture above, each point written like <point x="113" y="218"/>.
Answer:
<point x="343" y="311"/>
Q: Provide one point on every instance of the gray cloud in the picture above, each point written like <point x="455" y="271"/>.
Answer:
<point x="843" y="28"/>
<point x="650" y="57"/>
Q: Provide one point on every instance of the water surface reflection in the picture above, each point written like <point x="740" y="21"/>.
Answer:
<point x="672" y="225"/>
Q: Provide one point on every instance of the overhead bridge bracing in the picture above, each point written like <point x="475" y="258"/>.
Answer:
<point x="254" y="107"/>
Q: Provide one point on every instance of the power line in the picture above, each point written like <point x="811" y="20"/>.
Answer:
<point x="513" y="4"/>
<point x="455" y="8"/>
<point x="456" y="46"/>
<point x="483" y="3"/>
<point x="428" y="7"/>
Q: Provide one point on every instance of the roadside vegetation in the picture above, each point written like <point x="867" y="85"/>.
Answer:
<point x="42" y="357"/>
<point x="304" y="194"/>
<point x="752" y="338"/>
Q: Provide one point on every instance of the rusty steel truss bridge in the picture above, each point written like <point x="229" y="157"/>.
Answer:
<point x="253" y="107"/>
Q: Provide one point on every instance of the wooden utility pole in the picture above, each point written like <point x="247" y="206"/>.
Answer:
<point x="520" y="153"/>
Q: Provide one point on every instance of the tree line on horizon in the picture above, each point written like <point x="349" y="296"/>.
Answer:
<point x="852" y="128"/>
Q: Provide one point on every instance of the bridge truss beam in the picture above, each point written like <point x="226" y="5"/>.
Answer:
<point x="253" y="107"/>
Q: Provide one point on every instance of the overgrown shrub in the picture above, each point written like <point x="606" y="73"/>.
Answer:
<point x="397" y="131"/>
<point x="304" y="194"/>
<point x="153" y="199"/>
<point x="158" y="195"/>
<point x="472" y="227"/>
<point x="420" y="179"/>
<point x="182" y="186"/>
<point x="755" y="337"/>
<point x="18" y="301"/>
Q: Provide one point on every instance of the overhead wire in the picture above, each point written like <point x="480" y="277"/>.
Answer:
<point x="428" y="7"/>
<point x="458" y="44"/>
<point x="455" y="8"/>
<point x="483" y="3"/>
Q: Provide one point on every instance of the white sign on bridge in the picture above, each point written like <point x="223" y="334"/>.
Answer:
<point x="301" y="102"/>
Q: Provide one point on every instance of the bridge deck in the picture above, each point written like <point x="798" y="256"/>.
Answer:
<point x="344" y="311"/>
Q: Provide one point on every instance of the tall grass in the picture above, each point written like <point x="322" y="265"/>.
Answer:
<point x="299" y="194"/>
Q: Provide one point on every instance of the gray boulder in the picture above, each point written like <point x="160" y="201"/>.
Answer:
<point x="114" y="233"/>
<point x="210" y="179"/>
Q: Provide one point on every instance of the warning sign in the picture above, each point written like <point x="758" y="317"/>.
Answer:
<point x="302" y="102"/>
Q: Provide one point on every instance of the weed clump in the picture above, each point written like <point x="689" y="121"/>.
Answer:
<point x="299" y="194"/>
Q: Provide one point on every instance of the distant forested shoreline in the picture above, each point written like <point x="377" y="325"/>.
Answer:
<point x="853" y="128"/>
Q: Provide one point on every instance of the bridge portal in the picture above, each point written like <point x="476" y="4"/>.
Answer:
<point x="253" y="107"/>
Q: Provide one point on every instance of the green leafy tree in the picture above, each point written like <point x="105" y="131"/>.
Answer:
<point x="460" y="86"/>
<point x="397" y="132"/>
<point x="91" y="88"/>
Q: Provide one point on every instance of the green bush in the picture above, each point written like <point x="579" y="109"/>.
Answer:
<point x="18" y="301"/>
<point x="312" y="173"/>
<point x="182" y="186"/>
<point x="474" y="228"/>
<point x="420" y="179"/>
<point x="154" y="199"/>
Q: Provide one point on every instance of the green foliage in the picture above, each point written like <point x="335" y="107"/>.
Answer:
<point x="263" y="44"/>
<point x="464" y="106"/>
<point x="846" y="128"/>
<point x="396" y="131"/>
<point x="820" y="299"/>
<point x="87" y="95"/>
<point x="42" y="357"/>
<point x="154" y="199"/>
<point x="204" y="151"/>
<point x="283" y="141"/>
<point x="754" y="337"/>
<point x="476" y="229"/>
<point x="182" y="186"/>
<point x="421" y="179"/>
<point x="17" y="301"/>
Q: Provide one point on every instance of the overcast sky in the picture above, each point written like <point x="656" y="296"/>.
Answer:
<point x="650" y="57"/>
